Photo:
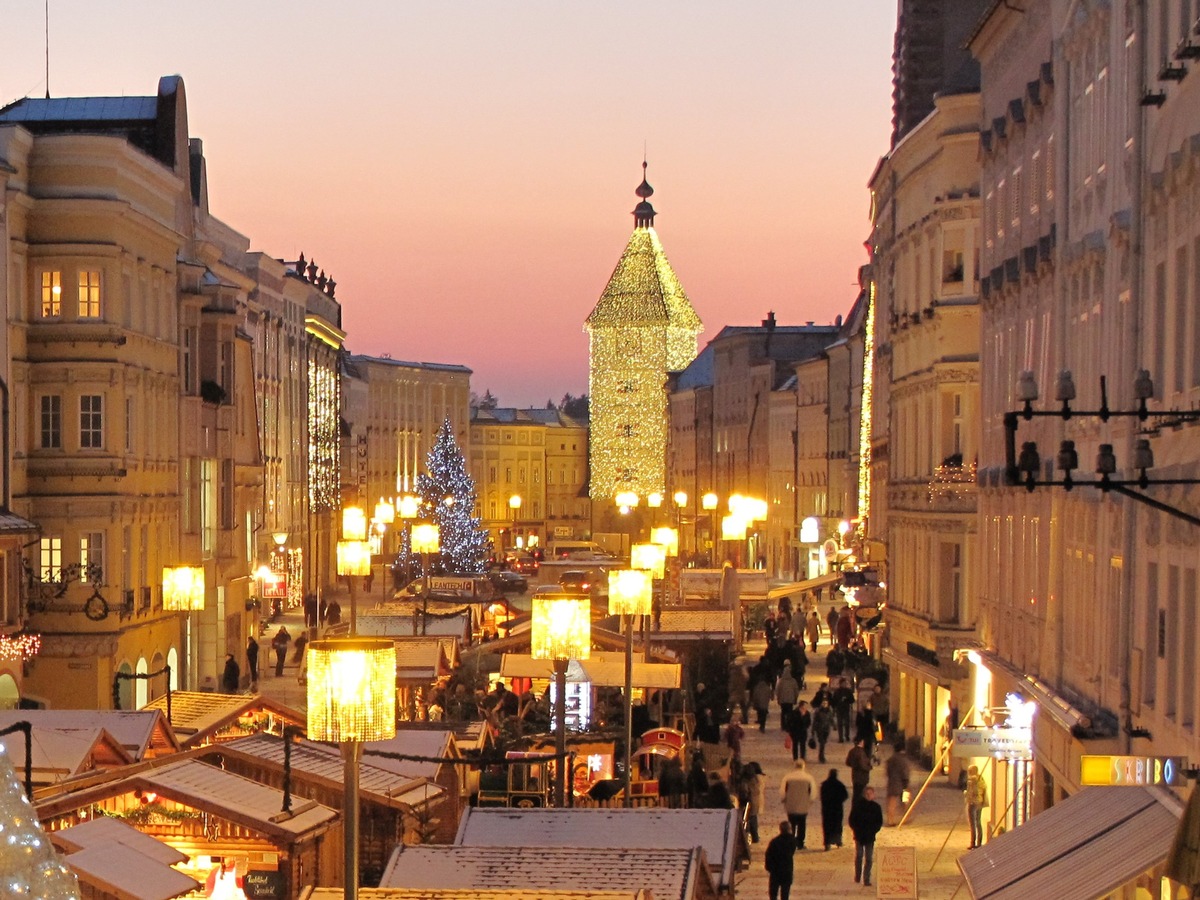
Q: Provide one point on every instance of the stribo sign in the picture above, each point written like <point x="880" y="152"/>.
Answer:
<point x="1168" y="771"/>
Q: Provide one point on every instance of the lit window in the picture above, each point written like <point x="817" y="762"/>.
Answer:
<point x="51" y="424"/>
<point x="50" y="558"/>
<point x="91" y="421"/>
<point x="51" y="295"/>
<point x="91" y="557"/>
<point x="89" y="295"/>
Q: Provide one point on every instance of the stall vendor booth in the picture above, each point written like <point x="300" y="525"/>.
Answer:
<point x="216" y="819"/>
<point x="198" y="718"/>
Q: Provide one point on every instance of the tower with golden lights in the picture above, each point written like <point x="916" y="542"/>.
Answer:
<point x="642" y="327"/>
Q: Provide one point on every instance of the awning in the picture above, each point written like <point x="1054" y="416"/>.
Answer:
<point x="603" y="669"/>
<point x="799" y="587"/>
<point x="1084" y="847"/>
<point x="1049" y="701"/>
<point x="922" y="670"/>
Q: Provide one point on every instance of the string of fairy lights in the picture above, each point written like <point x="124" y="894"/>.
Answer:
<point x="642" y="327"/>
<point x="864" y="424"/>
<point x="19" y="647"/>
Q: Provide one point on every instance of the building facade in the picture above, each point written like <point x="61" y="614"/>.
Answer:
<point x="924" y="252"/>
<point x="530" y="468"/>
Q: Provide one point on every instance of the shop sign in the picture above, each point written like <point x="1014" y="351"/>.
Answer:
<point x="998" y="743"/>
<point x="444" y="583"/>
<point x="896" y="873"/>
<point x="263" y="885"/>
<point x="274" y="586"/>
<point x="1138" y="771"/>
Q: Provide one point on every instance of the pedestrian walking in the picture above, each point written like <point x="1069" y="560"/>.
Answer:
<point x="798" y="727"/>
<point x="977" y="799"/>
<point x="866" y="818"/>
<point x="812" y="629"/>
<point x="760" y="699"/>
<point x="779" y="863"/>
<point x="752" y="789"/>
<point x="831" y="619"/>
<point x="787" y="692"/>
<point x="865" y="728"/>
<point x="845" y="627"/>
<point x="737" y="688"/>
<point x="843" y="708"/>
<point x="252" y="661"/>
<point x="859" y="762"/>
<point x="232" y="676"/>
<point x="821" y="726"/>
<point x="672" y="783"/>
<point x="734" y="733"/>
<point x="280" y="643"/>
<point x="796" y="791"/>
<point x="898" y="771"/>
<point x="833" y="807"/>
<point x="697" y="783"/>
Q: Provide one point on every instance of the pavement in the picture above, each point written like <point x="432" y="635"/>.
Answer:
<point x="936" y="827"/>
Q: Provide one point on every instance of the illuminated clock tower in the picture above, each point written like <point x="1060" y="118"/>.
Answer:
<point x="643" y="327"/>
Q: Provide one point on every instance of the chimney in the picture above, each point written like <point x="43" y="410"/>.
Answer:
<point x="769" y="322"/>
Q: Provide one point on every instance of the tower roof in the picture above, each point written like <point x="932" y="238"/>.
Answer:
<point x="643" y="289"/>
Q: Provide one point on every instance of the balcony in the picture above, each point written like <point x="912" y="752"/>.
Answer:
<point x="953" y="487"/>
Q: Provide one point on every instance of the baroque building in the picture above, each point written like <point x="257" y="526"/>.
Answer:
<point x="642" y="328"/>
<point x="531" y="475"/>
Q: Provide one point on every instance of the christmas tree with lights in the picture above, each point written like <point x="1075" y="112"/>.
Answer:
<point x="447" y="495"/>
<point x="29" y="867"/>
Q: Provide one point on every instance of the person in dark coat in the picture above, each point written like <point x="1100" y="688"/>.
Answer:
<point x="672" y="783"/>
<point x="779" y="861"/>
<point x="865" y="728"/>
<point x="831" y="619"/>
<point x="280" y="643"/>
<point x="718" y="793"/>
<point x="799" y="723"/>
<point x="843" y="707"/>
<point x="822" y="724"/>
<point x="252" y="660"/>
<point x="760" y="699"/>
<point x="697" y="783"/>
<point x="707" y="729"/>
<point x="833" y="806"/>
<point x="866" y="819"/>
<point x="859" y="761"/>
<point x="232" y="675"/>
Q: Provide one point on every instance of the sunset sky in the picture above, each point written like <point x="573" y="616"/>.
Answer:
<point x="465" y="169"/>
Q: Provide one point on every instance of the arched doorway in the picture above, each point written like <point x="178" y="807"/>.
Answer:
<point x="10" y="695"/>
<point x="139" y="689"/>
<point x="157" y="687"/>
<point x="125" y="686"/>
<point x="173" y="662"/>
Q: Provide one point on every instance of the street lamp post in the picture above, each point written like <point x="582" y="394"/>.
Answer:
<point x="630" y="593"/>
<point x="709" y="504"/>
<point x="560" y="630"/>
<point x="426" y="539"/>
<point x="514" y="504"/>
<point x="681" y="500"/>
<point x="409" y="509"/>
<point x="351" y="700"/>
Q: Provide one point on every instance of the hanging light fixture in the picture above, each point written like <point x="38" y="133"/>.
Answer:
<point x="183" y="588"/>
<point x="385" y="512"/>
<point x="353" y="558"/>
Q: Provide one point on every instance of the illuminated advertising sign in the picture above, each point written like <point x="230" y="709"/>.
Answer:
<point x="274" y="586"/>
<point x="1168" y="771"/>
<point x="998" y="743"/>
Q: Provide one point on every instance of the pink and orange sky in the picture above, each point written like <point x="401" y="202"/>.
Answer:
<point x="465" y="168"/>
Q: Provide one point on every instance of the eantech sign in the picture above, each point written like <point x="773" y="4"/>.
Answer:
<point x="1143" y="771"/>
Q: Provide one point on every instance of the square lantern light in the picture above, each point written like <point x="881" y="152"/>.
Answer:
<point x="426" y="538"/>
<point x="667" y="538"/>
<point x="351" y="689"/>
<point x="354" y="524"/>
<point x="353" y="558"/>
<point x="733" y="528"/>
<point x="183" y="588"/>
<point x="385" y="512"/>
<point x="409" y="506"/>
<point x="709" y="502"/>
<point x="649" y="556"/>
<point x="630" y="592"/>
<point x="561" y="627"/>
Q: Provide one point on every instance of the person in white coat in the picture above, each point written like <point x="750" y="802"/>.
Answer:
<point x="796" y="792"/>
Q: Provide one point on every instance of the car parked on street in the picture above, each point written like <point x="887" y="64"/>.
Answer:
<point x="508" y="581"/>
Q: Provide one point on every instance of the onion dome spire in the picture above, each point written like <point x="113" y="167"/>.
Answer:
<point x="643" y="213"/>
